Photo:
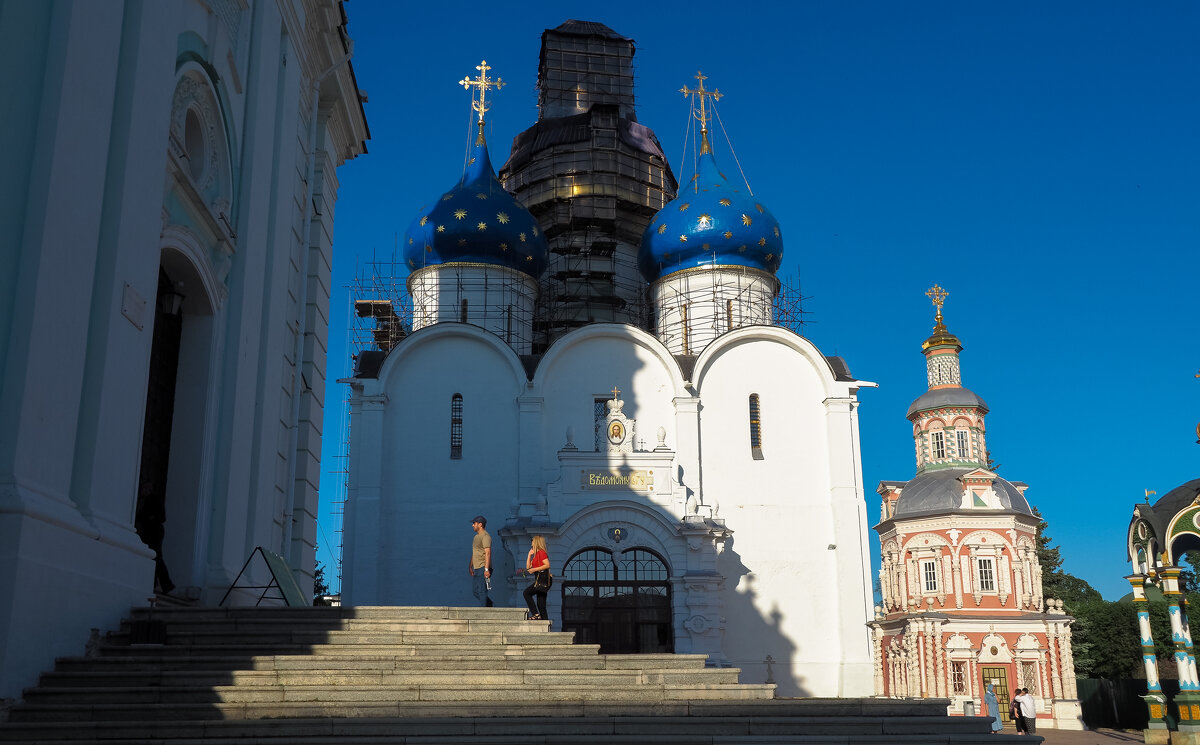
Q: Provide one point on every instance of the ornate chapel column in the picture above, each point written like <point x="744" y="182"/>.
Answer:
<point x="1188" y="699"/>
<point x="1156" y="701"/>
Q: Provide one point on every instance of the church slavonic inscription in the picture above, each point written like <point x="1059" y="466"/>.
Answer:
<point x="634" y="480"/>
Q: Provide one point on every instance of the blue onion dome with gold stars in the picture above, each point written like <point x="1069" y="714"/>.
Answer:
<point x="477" y="221"/>
<point x="712" y="222"/>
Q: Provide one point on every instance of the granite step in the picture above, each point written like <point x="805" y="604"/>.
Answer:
<point x="616" y="729"/>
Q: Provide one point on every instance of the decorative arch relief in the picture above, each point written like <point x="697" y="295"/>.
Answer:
<point x="994" y="649"/>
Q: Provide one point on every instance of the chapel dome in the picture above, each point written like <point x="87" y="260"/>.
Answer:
<point x="942" y="491"/>
<point x="476" y="222"/>
<point x="939" y="398"/>
<point x="711" y="223"/>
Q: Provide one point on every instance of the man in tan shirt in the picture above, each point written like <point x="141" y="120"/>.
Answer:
<point x="481" y="560"/>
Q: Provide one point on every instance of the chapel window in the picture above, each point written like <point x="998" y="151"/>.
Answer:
<point x="462" y="316"/>
<point x="958" y="677"/>
<point x="929" y="575"/>
<point x="939" y="445"/>
<point x="1029" y="676"/>
<point x="755" y="427"/>
<point x="683" y="326"/>
<point x="963" y="447"/>
<point x="987" y="575"/>
<point x="456" y="422"/>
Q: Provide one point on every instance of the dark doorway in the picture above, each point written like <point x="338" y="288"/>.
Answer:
<point x="151" y="515"/>
<point x="622" y="603"/>
<point x="998" y="677"/>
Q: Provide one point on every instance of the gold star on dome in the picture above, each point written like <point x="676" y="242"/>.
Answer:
<point x="776" y="231"/>
<point x="424" y="220"/>
<point x="441" y="228"/>
<point x="683" y="207"/>
<point x="428" y="248"/>
<point x="481" y="195"/>
<point x="683" y="239"/>
<point x="695" y="176"/>
<point x="471" y="161"/>
<point x="770" y="256"/>
<point x="460" y="214"/>
<point x="725" y="202"/>
<point x="759" y="207"/>
<point x="502" y="217"/>
<point x="482" y="226"/>
<point x="411" y="262"/>
<point x="662" y="228"/>
<point x="535" y="232"/>
<point x="704" y="222"/>
<point x="462" y="241"/>
<point x="742" y="248"/>
<point x="746" y="220"/>
<point x="529" y="258"/>
<point x="410" y="241"/>
<point x="503" y="246"/>
<point x="522" y="237"/>
<point x="728" y="234"/>
<point x="762" y="241"/>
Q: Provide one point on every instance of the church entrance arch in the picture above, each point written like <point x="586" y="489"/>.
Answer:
<point x="620" y="601"/>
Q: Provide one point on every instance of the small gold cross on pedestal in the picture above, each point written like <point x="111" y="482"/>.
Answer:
<point x="938" y="296"/>
<point x="700" y="92"/>
<point x="483" y="84"/>
<point x="616" y="392"/>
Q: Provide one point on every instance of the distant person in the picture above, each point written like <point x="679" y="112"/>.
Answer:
<point x="1014" y="708"/>
<point x="481" y="561"/>
<point x="537" y="563"/>
<point x="1028" y="712"/>
<point x="993" y="708"/>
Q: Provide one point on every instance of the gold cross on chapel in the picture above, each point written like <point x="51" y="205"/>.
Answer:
<point x="483" y="83"/>
<point x="616" y="392"/>
<point x="938" y="296"/>
<point x="700" y="92"/>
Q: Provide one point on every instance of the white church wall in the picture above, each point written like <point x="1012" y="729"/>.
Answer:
<point x="587" y="364"/>
<point x="427" y="499"/>
<point x="783" y="581"/>
<point x="87" y="216"/>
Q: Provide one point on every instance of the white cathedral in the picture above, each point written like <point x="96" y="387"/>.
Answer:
<point x="597" y="363"/>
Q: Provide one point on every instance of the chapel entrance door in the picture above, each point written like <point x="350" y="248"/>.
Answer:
<point x="998" y="677"/>
<point x="622" y="603"/>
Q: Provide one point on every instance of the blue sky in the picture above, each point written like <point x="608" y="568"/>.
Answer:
<point x="1040" y="161"/>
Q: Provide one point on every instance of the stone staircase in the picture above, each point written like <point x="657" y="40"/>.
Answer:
<point x="222" y="676"/>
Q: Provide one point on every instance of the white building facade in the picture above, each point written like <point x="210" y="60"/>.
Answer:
<point x="166" y="225"/>
<point x="699" y="491"/>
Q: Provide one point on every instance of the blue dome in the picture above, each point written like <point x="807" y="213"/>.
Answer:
<point x="711" y="223"/>
<point x="476" y="222"/>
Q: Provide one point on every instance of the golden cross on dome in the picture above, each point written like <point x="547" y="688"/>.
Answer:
<point x="938" y="296"/>
<point x="700" y="91"/>
<point x="483" y="83"/>
<point x="616" y="392"/>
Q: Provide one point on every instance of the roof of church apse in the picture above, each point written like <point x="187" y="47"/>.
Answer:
<point x="941" y="491"/>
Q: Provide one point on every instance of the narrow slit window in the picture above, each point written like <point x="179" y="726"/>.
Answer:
<point x="963" y="449"/>
<point x="683" y="323"/>
<point x="456" y="422"/>
<point x="462" y="316"/>
<point x="755" y="427"/>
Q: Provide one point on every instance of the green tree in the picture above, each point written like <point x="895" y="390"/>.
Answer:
<point x="320" y="589"/>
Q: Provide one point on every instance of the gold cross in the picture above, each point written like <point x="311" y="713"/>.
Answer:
<point x="938" y="296"/>
<point x="714" y="94"/>
<point x="484" y="84"/>
<point x="616" y="392"/>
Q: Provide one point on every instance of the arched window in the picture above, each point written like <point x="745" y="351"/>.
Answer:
<point x="456" y="421"/>
<point x="939" y="445"/>
<point x="621" y="603"/>
<point x="755" y="427"/>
